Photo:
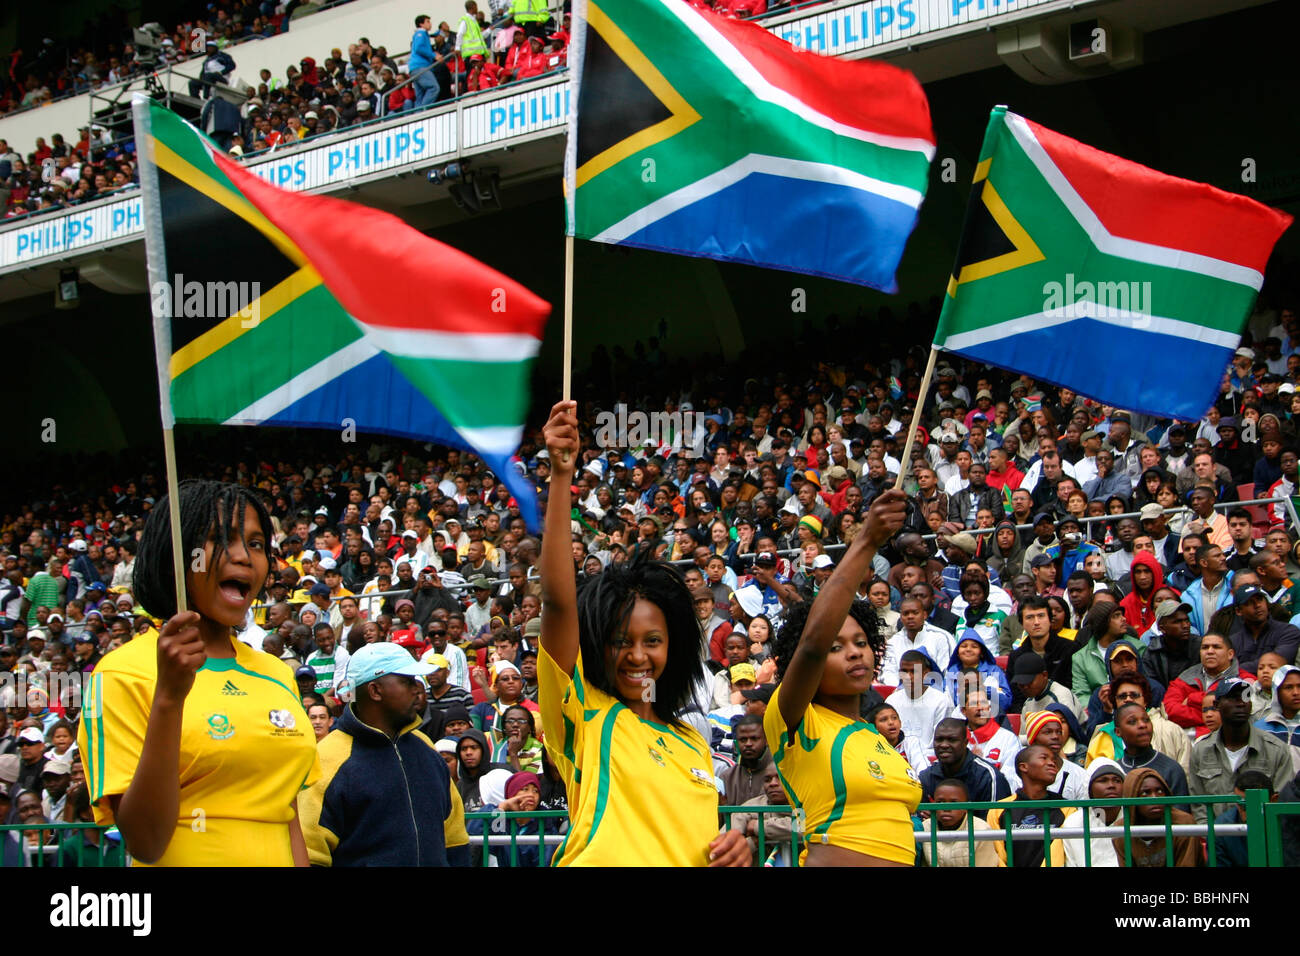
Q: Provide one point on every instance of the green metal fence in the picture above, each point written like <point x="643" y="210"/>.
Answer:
<point x="61" y="844"/>
<point x="543" y="831"/>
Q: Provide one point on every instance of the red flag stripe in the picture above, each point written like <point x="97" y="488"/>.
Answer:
<point x="1136" y="202"/>
<point x="864" y="94"/>
<point x="385" y="273"/>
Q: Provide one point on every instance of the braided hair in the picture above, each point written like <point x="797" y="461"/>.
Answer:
<point x="796" y="618"/>
<point x="209" y="510"/>
<point x="605" y="603"/>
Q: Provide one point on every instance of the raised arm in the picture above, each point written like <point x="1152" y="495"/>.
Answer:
<point x="559" y="583"/>
<point x="146" y="813"/>
<point x="804" y="674"/>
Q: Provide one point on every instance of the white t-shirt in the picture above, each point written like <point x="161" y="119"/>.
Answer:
<point x="1235" y="757"/>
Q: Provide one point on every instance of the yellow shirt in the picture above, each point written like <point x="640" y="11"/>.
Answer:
<point x="640" y="793"/>
<point x="247" y="749"/>
<point x="855" y="790"/>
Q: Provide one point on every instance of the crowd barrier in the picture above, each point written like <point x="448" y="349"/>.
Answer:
<point x="502" y="829"/>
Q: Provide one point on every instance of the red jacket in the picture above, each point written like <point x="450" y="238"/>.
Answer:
<point x="1187" y="692"/>
<point x="1140" y="611"/>
<point x="1011" y="478"/>
<point x="533" y="64"/>
<point x="718" y="641"/>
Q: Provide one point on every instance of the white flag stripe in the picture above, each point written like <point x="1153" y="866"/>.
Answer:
<point x="494" y="439"/>
<point x="1138" y="321"/>
<point x="755" y="163"/>
<point x="305" y="382"/>
<point x="453" y="346"/>
<point x="768" y="93"/>
<point x="1112" y="245"/>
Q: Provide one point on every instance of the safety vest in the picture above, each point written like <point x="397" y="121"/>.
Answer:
<point x="471" y="38"/>
<point x="529" y="11"/>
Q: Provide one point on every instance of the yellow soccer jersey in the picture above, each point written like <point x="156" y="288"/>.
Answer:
<point x="855" y="790"/>
<point x="640" y="793"/>
<point x="246" y="751"/>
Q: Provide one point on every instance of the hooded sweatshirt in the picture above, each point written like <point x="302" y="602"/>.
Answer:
<point x="920" y="715"/>
<point x="468" y="781"/>
<point x="1150" y="851"/>
<point x="1277" y="724"/>
<point x="1011" y="562"/>
<point x="1102" y="849"/>
<point x="1139" y="609"/>
<point x="993" y="677"/>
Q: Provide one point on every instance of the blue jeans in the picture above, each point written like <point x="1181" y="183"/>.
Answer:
<point x="426" y="88"/>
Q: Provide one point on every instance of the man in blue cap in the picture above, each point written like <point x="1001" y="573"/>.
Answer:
<point x="384" y="796"/>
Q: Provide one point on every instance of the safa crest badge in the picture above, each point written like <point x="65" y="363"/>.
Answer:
<point x="220" y="727"/>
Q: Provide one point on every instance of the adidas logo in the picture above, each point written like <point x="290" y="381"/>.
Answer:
<point x="230" y="690"/>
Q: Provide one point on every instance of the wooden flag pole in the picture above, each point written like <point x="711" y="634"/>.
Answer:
<point x="905" y="465"/>
<point x="568" y="318"/>
<point x="174" y="518"/>
<point x="568" y="322"/>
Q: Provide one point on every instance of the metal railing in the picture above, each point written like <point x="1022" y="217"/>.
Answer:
<point x="505" y="830"/>
<point x="1090" y="520"/>
<point x="54" y="840"/>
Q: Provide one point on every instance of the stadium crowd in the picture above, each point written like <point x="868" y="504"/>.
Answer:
<point x="1063" y="615"/>
<point x="510" y="40"/>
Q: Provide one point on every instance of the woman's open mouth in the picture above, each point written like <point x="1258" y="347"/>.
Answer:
<point x="234" y="590"/>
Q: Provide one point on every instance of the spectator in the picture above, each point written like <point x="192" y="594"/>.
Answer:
<point x="1036" y="768"/>
<point x="1048" y="728"/>
<point x="1170" y="651"/>
<point x="1029" y="672"/>
<point x="349" y="814"/>
<point x="915" y="633"/>
<point x="1256" y="632"/>
<point x="1231" y="851"/>
<point x="1133" y="726"/>
<point x="919" y="702"/>
<point x="776" y="827"/>
<point x="744" y="780"/>
<point x="1151" y="851"/>
<point x="954" y="761"/>
<point x="1105" y="782"/>
<point x="971" y="664"/>
<point x="1283" y="717"/>
<point x="1217" y="664"/>
<point x="955" y="853"/>
<point x="1090" y="663"/>
<point x="1234" y="747"/>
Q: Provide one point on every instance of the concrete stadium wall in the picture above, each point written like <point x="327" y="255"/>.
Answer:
<point x="388" y="23"/>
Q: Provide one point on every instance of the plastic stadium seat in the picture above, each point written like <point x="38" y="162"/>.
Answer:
<point x="1002" y="661"/>
<point x="1013" y="723"/>
<point x="1259" y="516"/>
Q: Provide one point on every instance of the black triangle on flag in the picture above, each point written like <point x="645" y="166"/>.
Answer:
<point x="196" y="224"/>
<point x="613" y="104"/>
<point x="992" y="239"/>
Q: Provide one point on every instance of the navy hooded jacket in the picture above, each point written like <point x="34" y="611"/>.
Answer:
<point x="379" y="801"/>
<point x="993" y="677"/>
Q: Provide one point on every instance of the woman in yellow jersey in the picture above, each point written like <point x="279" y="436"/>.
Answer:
<point x="194" y="744"/>
<point x="854" y="792"/>
<point x="618" y="663"/>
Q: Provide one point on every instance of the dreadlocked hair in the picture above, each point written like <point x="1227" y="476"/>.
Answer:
<point x="796" y="619"/>
<point x="605" y="603"/>
<point x="209" y="510"/>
